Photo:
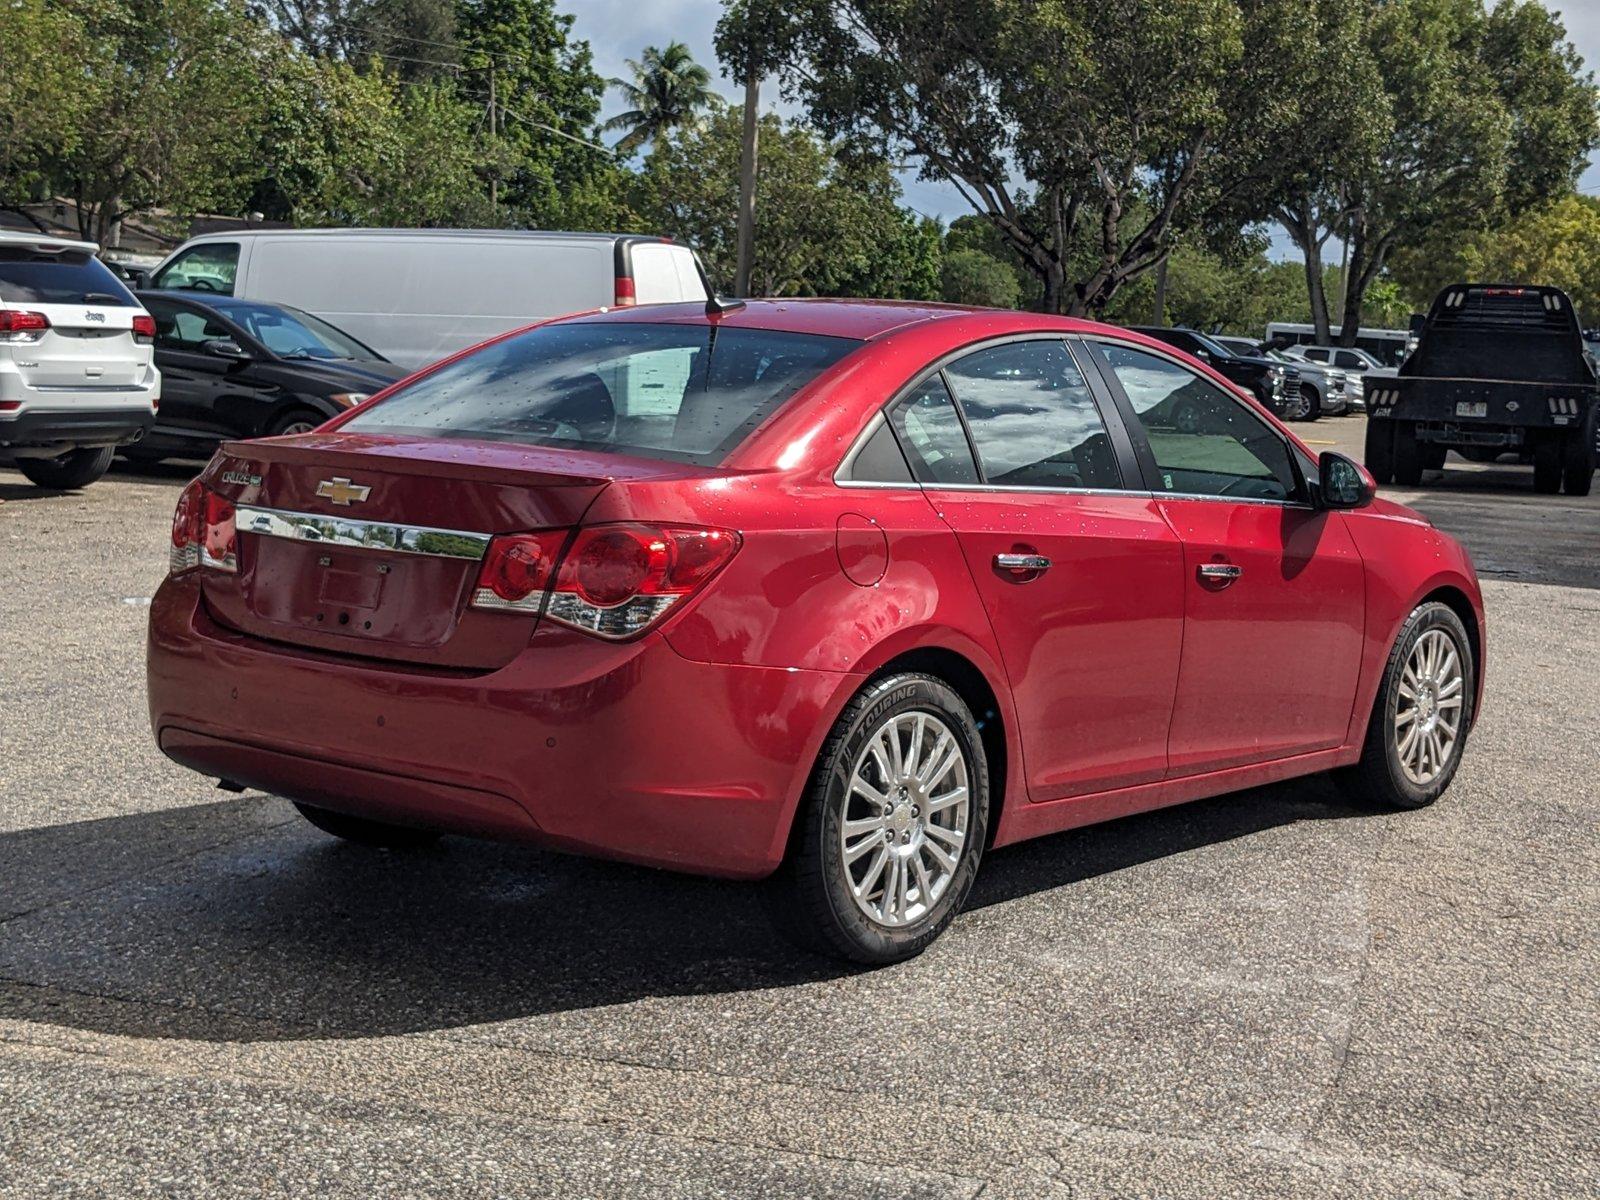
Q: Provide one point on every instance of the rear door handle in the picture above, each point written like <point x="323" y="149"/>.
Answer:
<point x="1022" y="562"/>
<point x="1219" y="572"/>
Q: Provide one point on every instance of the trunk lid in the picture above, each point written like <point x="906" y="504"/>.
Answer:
<point x="87" y="347"/>
<point x="370" y="545"/>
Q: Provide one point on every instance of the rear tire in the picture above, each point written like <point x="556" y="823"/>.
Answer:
<point x="1408" y="465"/>
<point x="1388" y="774"/>
<point x="1547" y="467"/>
<point x="891" y="830"/>
<point x="363" y="832"/>
<point x="1380" y="450"/>
<point x="74" y="469"/>
<point x="1578" y="464"/>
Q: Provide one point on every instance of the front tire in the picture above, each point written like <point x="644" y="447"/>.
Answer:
<point x="74" y="469"/>
<point x="891" y="831"/>
<point x="378" y="834"/>
<point x="1421" y="715"/>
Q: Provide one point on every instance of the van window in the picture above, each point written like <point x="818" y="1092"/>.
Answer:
<point x="684" y="393"/>
<point x="208" y="267"/>
<point x="664" y="273"/>
<point x="31" y="276"/>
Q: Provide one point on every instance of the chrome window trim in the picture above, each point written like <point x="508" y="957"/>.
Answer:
<point x="323" y="530"/>
<point x="1139" y="492"/>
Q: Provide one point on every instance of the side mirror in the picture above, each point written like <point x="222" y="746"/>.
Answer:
<point x="1342" y="482"/>
<point x="225" y="348"/>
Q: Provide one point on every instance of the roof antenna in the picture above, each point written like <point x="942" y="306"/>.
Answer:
<point x="716" y="306"/>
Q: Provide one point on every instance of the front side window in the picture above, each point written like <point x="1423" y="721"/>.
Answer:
<point x="1034" y="423"/>
<point x="1205" y="442"/>
<point x="684" y="393"/>
<point x="30" y="276"/>
<point x="208" y="267"/>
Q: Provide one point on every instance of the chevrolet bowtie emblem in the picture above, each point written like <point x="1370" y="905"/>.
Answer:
<point x="342" y="491"/>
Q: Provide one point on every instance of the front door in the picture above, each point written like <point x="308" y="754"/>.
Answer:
<point x="1081" y="579"/>
<point x="1274" y="590"/>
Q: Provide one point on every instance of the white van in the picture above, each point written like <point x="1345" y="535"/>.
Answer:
<point x="416" y="295"/>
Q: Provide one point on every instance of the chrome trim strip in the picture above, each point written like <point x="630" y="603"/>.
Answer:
<point x="360" y="535"/>
<point x="841" y="473"/>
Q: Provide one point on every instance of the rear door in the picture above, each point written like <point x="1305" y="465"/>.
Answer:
<point x="1274" y="590"/>
<point x="89" y="345"/>
<point x="197" y="385"/>
<point x="1080" y="576"/>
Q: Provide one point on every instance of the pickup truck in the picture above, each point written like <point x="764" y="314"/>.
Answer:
<point x="1499" y="368"/>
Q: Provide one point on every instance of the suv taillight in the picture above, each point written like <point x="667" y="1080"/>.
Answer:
<point x="203" y="533"/>
<point x="613" y="581"/>
<point x="22" y="326"/>
<point x="144" y="328"/>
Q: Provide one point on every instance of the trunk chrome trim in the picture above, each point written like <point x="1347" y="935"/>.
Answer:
<point x="360" y="535"/>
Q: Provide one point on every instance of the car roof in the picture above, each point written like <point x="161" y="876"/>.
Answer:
<point x="46" y="241"/>
<point x="863" y="320"/>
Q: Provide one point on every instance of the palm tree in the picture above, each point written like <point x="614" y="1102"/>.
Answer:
<point x="668" y="91"/>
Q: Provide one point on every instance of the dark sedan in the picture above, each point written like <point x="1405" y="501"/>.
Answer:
<point x="243" y="368"/>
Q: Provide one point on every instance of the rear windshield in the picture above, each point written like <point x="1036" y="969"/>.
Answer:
<point x="29" y="276"/>
<point x="684" y="393"/>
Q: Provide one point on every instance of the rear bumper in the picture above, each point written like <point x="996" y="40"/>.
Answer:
<point x="620" y="751"/>
<point x="98" y="426"/>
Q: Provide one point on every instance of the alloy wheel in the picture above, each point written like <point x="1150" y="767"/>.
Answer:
<point x="1428" y="707"/>
<point x="906" y="816"/>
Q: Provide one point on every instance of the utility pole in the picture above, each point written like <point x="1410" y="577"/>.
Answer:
<point x="494" y="148"/>
<point x="745" y="256"/>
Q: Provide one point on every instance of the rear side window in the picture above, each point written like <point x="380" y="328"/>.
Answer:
<point x="208" y="267"/>
<point x="684" y="393"/>
<point x="931" y="435"/>
<point x="29" y="276"/>
<point x="1033" y="421"/>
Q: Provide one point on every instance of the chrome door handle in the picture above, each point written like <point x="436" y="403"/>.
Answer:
<point x="1022" y="562"/>
<point x="1220" y="572"/>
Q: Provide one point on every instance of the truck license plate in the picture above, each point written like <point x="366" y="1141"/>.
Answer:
<point x="1472" y="408"/>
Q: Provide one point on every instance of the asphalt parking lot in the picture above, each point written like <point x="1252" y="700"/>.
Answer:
<point x="1268" y="994"/>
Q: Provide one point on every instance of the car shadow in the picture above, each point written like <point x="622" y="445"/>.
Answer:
<point x="235" y="921"/>
<point x="174" y="471"/>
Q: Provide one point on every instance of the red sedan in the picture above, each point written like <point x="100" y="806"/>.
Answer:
<point x="843" y="593"/>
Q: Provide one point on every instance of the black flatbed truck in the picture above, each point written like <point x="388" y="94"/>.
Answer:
<point x="1498" y="368"/>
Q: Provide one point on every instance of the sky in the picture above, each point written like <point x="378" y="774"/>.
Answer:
<point x="618" y="30"/>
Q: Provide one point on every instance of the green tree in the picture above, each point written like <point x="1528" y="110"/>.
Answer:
<point x="830" y="224"/>
<point x="1557" y="244"/>
<point x="669" y="90"/>
<point x="974" y="277"/>
<point x="1090" y="134"/>
<point x="343" y="146"/>
<point x="415" y="38"/>
<point x="50" y="80"/>
<point x="1484" y="112"/>
<point x="172" y="93"/>
<point x="544" y="162"/>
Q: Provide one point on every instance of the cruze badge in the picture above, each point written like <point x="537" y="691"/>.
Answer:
<point x="242" y="478"/>
<point x="342" y="491"/>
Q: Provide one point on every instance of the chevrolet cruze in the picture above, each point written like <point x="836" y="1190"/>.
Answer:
<point x="842" y="593"/>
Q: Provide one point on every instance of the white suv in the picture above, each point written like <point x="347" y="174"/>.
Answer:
<point x="76" y="372"/>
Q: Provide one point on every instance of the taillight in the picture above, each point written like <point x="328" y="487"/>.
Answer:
<point x="614" y="581"/>
<point x="22" y="326"/>
<point x="203" y="532"/>
<point x="144" y="328"/>
<point x="516" y="571"/>
<point x="625" y="295"/>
